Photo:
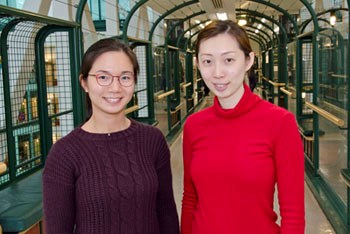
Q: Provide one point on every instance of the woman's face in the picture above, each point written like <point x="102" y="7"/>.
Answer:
<point x="111" y="99"/>
<point x="223" y="66"/>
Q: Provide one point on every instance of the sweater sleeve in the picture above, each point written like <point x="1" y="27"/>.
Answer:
<point x="166" y="207"/>
<point x="58" y="192"/>
<point x="289" y="159"/>
<point x="189" y="200"/>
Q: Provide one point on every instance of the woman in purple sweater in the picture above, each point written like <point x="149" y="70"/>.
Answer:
<point x="111" y="174"/>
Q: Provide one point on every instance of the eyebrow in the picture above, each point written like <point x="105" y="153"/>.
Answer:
<point x="123" y="72"/>
<point x="225" y="53"/>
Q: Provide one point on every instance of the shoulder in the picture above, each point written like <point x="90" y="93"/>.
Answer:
<point x="147" y="131"/>
<point x="63" y="155"/>
<point x="272" y="110"/>
<point x="199" y="117"/>
<point x="64" y="147"/>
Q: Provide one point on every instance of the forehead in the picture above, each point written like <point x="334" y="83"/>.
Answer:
<point x="112" y="60"/>
<point x="219" y="43"/>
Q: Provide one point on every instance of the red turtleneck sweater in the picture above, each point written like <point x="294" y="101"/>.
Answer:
<point x="232" y="161"/>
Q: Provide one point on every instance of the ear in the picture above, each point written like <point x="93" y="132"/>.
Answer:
<point x="83" y="83"/>
<point x="250" y="61"/>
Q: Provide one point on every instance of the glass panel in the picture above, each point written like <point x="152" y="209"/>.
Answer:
<point x="59" y="84"/>
<point x="160" y="105"/>
<point x="333" y="97"/>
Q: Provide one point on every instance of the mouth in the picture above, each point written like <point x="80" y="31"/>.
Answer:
<point x="112" y="100"/>
<point x="220" y="87"/>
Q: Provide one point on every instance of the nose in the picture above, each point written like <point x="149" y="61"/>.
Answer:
<point x="115" y="84"/>
<point x="218" y="71"/>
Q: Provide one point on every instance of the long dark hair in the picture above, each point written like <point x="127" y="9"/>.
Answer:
<point x="97" y="49"/>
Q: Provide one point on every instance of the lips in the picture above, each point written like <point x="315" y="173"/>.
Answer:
<point x="112" y="100"/>
<point x="220" y="87"/>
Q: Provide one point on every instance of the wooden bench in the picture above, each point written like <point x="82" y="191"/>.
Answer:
<point x="21" y="204"/>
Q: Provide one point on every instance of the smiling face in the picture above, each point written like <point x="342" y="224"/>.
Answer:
<point x="111" y="99"/>
<point x="223" y="66"/>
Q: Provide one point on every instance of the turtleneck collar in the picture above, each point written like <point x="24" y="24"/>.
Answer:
<point x="247" y="102"/>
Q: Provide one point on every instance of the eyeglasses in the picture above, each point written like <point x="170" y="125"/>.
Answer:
<point x="106" y="79"/>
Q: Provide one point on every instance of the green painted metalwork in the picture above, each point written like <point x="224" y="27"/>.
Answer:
<point x="35" y="17"/>
<point x="128" y="18"/>
<point x="283" y="56"/>
<point x="7" y="98"/>
<point x="267" y="36"/>
<point x="175" y="102"/>
<point x="272" y="44"/>
<point x="306" y="22"/>
<point x="77" y="40"/>
<point x="251" y="32"/>
<point x="284" y="12"/>
<point x="188" y="30"/>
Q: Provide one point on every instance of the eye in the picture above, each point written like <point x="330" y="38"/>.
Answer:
<point x="229" y="60"/>
<point x="125" y="77"/>
<point x="206" y="61"/>
<point x="103" y="77"/>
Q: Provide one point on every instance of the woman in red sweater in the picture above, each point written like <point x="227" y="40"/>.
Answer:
<point x="239" y="149"/>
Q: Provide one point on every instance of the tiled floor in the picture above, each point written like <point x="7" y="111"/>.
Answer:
<point x="316" y="222"/>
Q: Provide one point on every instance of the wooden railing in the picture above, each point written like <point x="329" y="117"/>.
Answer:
<point x="131" y="109"/>
<point x="332" y="118"/>
<point x="163" y="95"/>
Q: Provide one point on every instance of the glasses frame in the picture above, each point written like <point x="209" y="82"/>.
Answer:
<point x="118" y="78"/>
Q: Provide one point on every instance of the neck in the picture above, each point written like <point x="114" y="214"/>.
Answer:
<point x="232" y="101"/>
<point x="106" y="125"/>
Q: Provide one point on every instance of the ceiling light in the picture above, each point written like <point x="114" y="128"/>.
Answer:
<point x="333" y="18"/>
<point x="242" y="22"/>
<point x="221" y="16"/>
<point x="259" y="26"/>
<point x="256" y="31"/>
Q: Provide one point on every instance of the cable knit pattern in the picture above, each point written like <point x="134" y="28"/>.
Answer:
<point x="117" y="183"/>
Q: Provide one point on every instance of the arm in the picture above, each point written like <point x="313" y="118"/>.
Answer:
<point x="189" y="200"/>
<point x="58" y="193"/>
<point x="166" y="207"/>
<point x="289" y="157"/>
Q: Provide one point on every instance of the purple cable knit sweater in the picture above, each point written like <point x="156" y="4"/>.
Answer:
<point x="117" y="184"/>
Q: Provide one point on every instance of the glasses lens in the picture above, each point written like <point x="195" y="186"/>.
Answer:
<point x="126" y="80"/>
<point x="104" y="79"/>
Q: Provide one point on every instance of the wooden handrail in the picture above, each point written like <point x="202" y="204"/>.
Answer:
<point x="264" y="78"/>
<point x="177" y="108"/>
<point x="276" y="84"/>
<point x="332" y="118"/>
<point x="339" y="75"/>
<point x="186" y="85"/>
<point x="3" y="168"/>
<point x="199" y="79"/>
<point x="131" y="109"/>
<point x="283" y="89"/>
<point x="163" y="95"/>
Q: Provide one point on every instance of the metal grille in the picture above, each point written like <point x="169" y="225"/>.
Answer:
<point x="141" y="88"/>
<point x="58" y="84"/>
<point x="3" y="138"/>
<point x="24" y="95"/>
<point x="159" y="70"/>
<point x="307" y="76"/>
<point x="22" y="98"/>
